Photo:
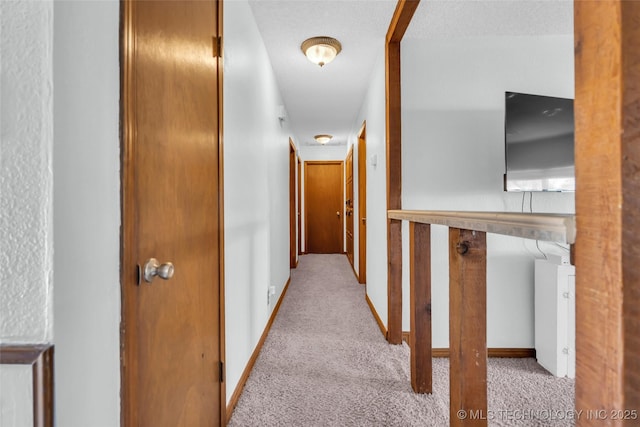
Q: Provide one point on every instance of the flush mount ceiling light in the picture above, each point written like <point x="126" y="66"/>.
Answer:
<point x="321" y="50"/>
<point x="323" y="138"/>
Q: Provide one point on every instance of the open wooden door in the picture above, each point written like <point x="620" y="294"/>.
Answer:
<point x="293" y="250"/>
<point x="362" y="204"/>
<point x="348" y="210"/>
<point x="323" y="195"/>
<point x="299" y="206"/>
<point x="171" y="330"/>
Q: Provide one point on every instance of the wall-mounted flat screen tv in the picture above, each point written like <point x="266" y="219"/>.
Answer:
<point x="539" y="140"/>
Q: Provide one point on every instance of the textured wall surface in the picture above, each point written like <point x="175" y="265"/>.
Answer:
<point x="26" y="252"/>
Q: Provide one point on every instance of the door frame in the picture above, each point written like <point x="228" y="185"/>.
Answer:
<point x="393" y="118"/>
<point x="362" y="203"/>
<point x="299" y="207"/>
<point x="128" y="268"/>
<point x="293" y="250"/>
<point x="348" y="207"/>
<point x="306" y="210"/>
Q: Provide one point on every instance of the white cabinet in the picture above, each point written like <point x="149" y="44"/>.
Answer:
<point x="555" y="315"/>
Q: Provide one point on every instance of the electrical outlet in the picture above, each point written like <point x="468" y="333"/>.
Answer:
<point x="272" y="290"/>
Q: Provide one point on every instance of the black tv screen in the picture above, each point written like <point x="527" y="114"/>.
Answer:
<point x="539" y="140"/>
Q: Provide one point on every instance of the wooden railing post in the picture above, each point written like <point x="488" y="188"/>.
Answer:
<point x="394" y="287"/>
<point x="393" y="119"/>
<point x="420" y="297"/>
<point x="467" y="295"/>
<point x="607" y="137"/>
<point x="468" y="327"/>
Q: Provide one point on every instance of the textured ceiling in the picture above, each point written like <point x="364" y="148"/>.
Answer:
<point x="437" y="19"/>
<point x="327" y="100"/>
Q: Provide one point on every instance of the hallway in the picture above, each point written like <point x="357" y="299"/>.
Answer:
<point x="325" y="362"/>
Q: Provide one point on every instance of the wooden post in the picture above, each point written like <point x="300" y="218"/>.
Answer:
<point x="420" y="332"/>
<point x="394" y="193"/>
<point x="394" y="288"/>
<point x="399" y="23"/>
<point x="607" y="254"/>
<point x="468" y="327"/>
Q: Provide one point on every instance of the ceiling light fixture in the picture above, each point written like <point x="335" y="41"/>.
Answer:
<point x="321" y="50"/>
<point x="323" y="138"/>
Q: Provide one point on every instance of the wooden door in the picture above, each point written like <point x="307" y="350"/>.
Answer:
<point x="362" y="204"/>
<point x="323" y="184"/>
<point x="348" y="210"/>
<point x="171" y="329"/>
<point x="293" y="251"/>
<point x="299" y="206"/>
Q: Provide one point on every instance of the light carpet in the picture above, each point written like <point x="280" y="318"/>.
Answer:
<point x="325" y="363"/>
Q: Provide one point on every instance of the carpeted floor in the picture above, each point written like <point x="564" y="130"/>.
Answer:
<point x="325" y="363"/>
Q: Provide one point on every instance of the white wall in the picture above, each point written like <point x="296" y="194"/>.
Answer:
<point x="16" y="395"/>
<point x="87" y="212"/>
<point x="26" y="193"/>
<point x="453" y="159"/>
<point x="256" y="179"/>
<point x="327" y="152"/>
<point x="26" y="181"/>
<point x="373" y="111"/>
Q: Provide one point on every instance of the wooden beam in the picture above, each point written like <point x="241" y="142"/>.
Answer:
<point x="468" y="327"/>
<point x="420" y="331"/>
<point x="394" y="287"/>
<point x="401" y="19"/>
<point x="393" y="127"/>
<point x="607" y="252"/>
<point x="630" y="138"/>
<point x="399" y="23"/>
<point x="536" y="226"/>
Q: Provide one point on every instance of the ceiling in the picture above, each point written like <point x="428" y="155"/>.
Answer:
<point x="328" y="99"/>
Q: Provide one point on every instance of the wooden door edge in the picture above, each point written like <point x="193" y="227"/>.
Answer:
<point x="221" y="235"/>
<point x="362" y="196"/>
<point x="293" y="238"/>
<point x="128" y="403"/>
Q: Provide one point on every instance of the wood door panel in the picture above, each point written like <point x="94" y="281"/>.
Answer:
<point x="299" y="206"/>
<point x="323" y="207"/>
<point x="349" y="205"/>
<point x="293" y="250"/>
<point x="362" y="204"/>
<point x="172" y="351"/>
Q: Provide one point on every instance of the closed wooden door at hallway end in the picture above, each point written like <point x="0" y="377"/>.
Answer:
<point x="324" y="195"/>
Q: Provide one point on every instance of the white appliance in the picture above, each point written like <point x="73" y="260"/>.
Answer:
<point x="555" y="315"/>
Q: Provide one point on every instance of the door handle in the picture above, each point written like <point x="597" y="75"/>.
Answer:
<point x="338" y="213"/>
<point x="364" y="220"/>
<point x="153" y="268"/>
